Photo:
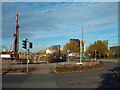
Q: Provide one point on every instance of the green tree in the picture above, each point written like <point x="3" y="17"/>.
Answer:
<point x="65" y="48"/>
<point x="99" y="46"/>
<point x="110" y="53"/>
<point x="91" y="50"/>
<point x="72" y="46"/>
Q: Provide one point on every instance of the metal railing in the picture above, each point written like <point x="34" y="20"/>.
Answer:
<point x="12" y="67"/>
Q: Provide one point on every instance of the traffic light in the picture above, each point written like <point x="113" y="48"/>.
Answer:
<point x="24" y="44"/>
<point x="30" y="45"/>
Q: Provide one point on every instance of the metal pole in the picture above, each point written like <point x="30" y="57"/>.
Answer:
<point x="80" y="51"/>
<point x="27" y="55"/>
<point x="68" y="57"/>
<point x="81" y="47"/>
<point x="82" y="42"/>
<point x="59" y="55"/>
<point x="95" y="54"/>
<point x="27" y="60"/>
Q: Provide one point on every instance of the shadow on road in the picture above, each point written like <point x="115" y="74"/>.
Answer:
<point x="111" y="79"/>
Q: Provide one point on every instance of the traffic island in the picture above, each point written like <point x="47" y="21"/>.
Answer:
<point x="77" y="68"/>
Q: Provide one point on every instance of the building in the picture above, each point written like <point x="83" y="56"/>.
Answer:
<point x="80" y="42"/>
<point x="83" y="44"/>
<point x="48" y="51"/>
<point x="76" y="40"/>
<point x="115" y="49"/>
<point x="5" y="56"/>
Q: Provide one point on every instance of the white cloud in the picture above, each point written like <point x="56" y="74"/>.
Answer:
<point x="60" y="1"/>
<point x="65" y="18"/>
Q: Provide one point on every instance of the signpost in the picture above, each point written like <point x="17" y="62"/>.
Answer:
<point x="68" y="51"/>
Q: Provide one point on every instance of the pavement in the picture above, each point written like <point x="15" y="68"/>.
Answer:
<point x="40" y="81"/>
<point x="111" y="60"/>
<point x="40" y="78"/>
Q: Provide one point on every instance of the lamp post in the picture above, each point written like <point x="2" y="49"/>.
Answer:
<point x="82" y="43"/>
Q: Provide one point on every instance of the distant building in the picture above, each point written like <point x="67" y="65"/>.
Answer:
<point x="115" y="49"/>
<point x="83" y="44"/>
<point x="48" y="51"/>
<point x="5" y="56"/>
<point x="80" y="42"/>
<point x="76" y="40"/>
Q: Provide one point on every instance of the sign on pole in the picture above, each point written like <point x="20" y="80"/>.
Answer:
<point x="57" y="45"/>
<point x="68" y="51"/>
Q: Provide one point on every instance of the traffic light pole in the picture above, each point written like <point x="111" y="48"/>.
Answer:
<point x="27" y="45"/>
<point x="27" y="55"/>
<point x="27" y="59"/>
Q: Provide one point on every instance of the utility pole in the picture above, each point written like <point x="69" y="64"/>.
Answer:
<point x="80" y="51"/>
<point x="82" y="44"/>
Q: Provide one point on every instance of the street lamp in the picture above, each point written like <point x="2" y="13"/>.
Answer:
<point x="81" y="42"/>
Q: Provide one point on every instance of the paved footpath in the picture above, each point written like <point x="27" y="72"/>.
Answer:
<point x="41" y="78"/>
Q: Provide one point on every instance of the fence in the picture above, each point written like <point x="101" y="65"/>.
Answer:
<point x="17" y="67"/>
<point x="11" y="66"/>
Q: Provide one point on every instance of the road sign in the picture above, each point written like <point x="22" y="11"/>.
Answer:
<point x="68" y="51"/>
<point x="57" y="45"/>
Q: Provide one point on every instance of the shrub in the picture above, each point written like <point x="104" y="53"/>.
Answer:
<point x="77" y="68"/>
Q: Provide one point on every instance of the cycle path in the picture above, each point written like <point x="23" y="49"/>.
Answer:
<point x="41" y="78"/>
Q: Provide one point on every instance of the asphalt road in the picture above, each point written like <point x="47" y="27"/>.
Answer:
<point x="104" y="78"/>
<point x="13" y="81"/>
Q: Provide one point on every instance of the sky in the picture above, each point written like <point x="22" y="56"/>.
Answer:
<point x="54" y="23"/>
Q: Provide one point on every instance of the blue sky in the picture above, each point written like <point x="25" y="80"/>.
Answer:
<point x="54" y="23"/>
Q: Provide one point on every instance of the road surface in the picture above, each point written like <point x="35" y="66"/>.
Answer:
<point x="41" y="78"/>
<point x="104" y="78"/>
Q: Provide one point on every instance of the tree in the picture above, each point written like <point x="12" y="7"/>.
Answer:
<point x="72" y="46"/>
<point x="55" y="49"/>
<point x="99" y="46"/>
<point x="91" y="50"/>
<point x="86" y="52"/>
<point x="110" y="53"/>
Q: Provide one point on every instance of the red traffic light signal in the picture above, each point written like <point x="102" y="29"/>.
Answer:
<point x="24" y="44"/>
